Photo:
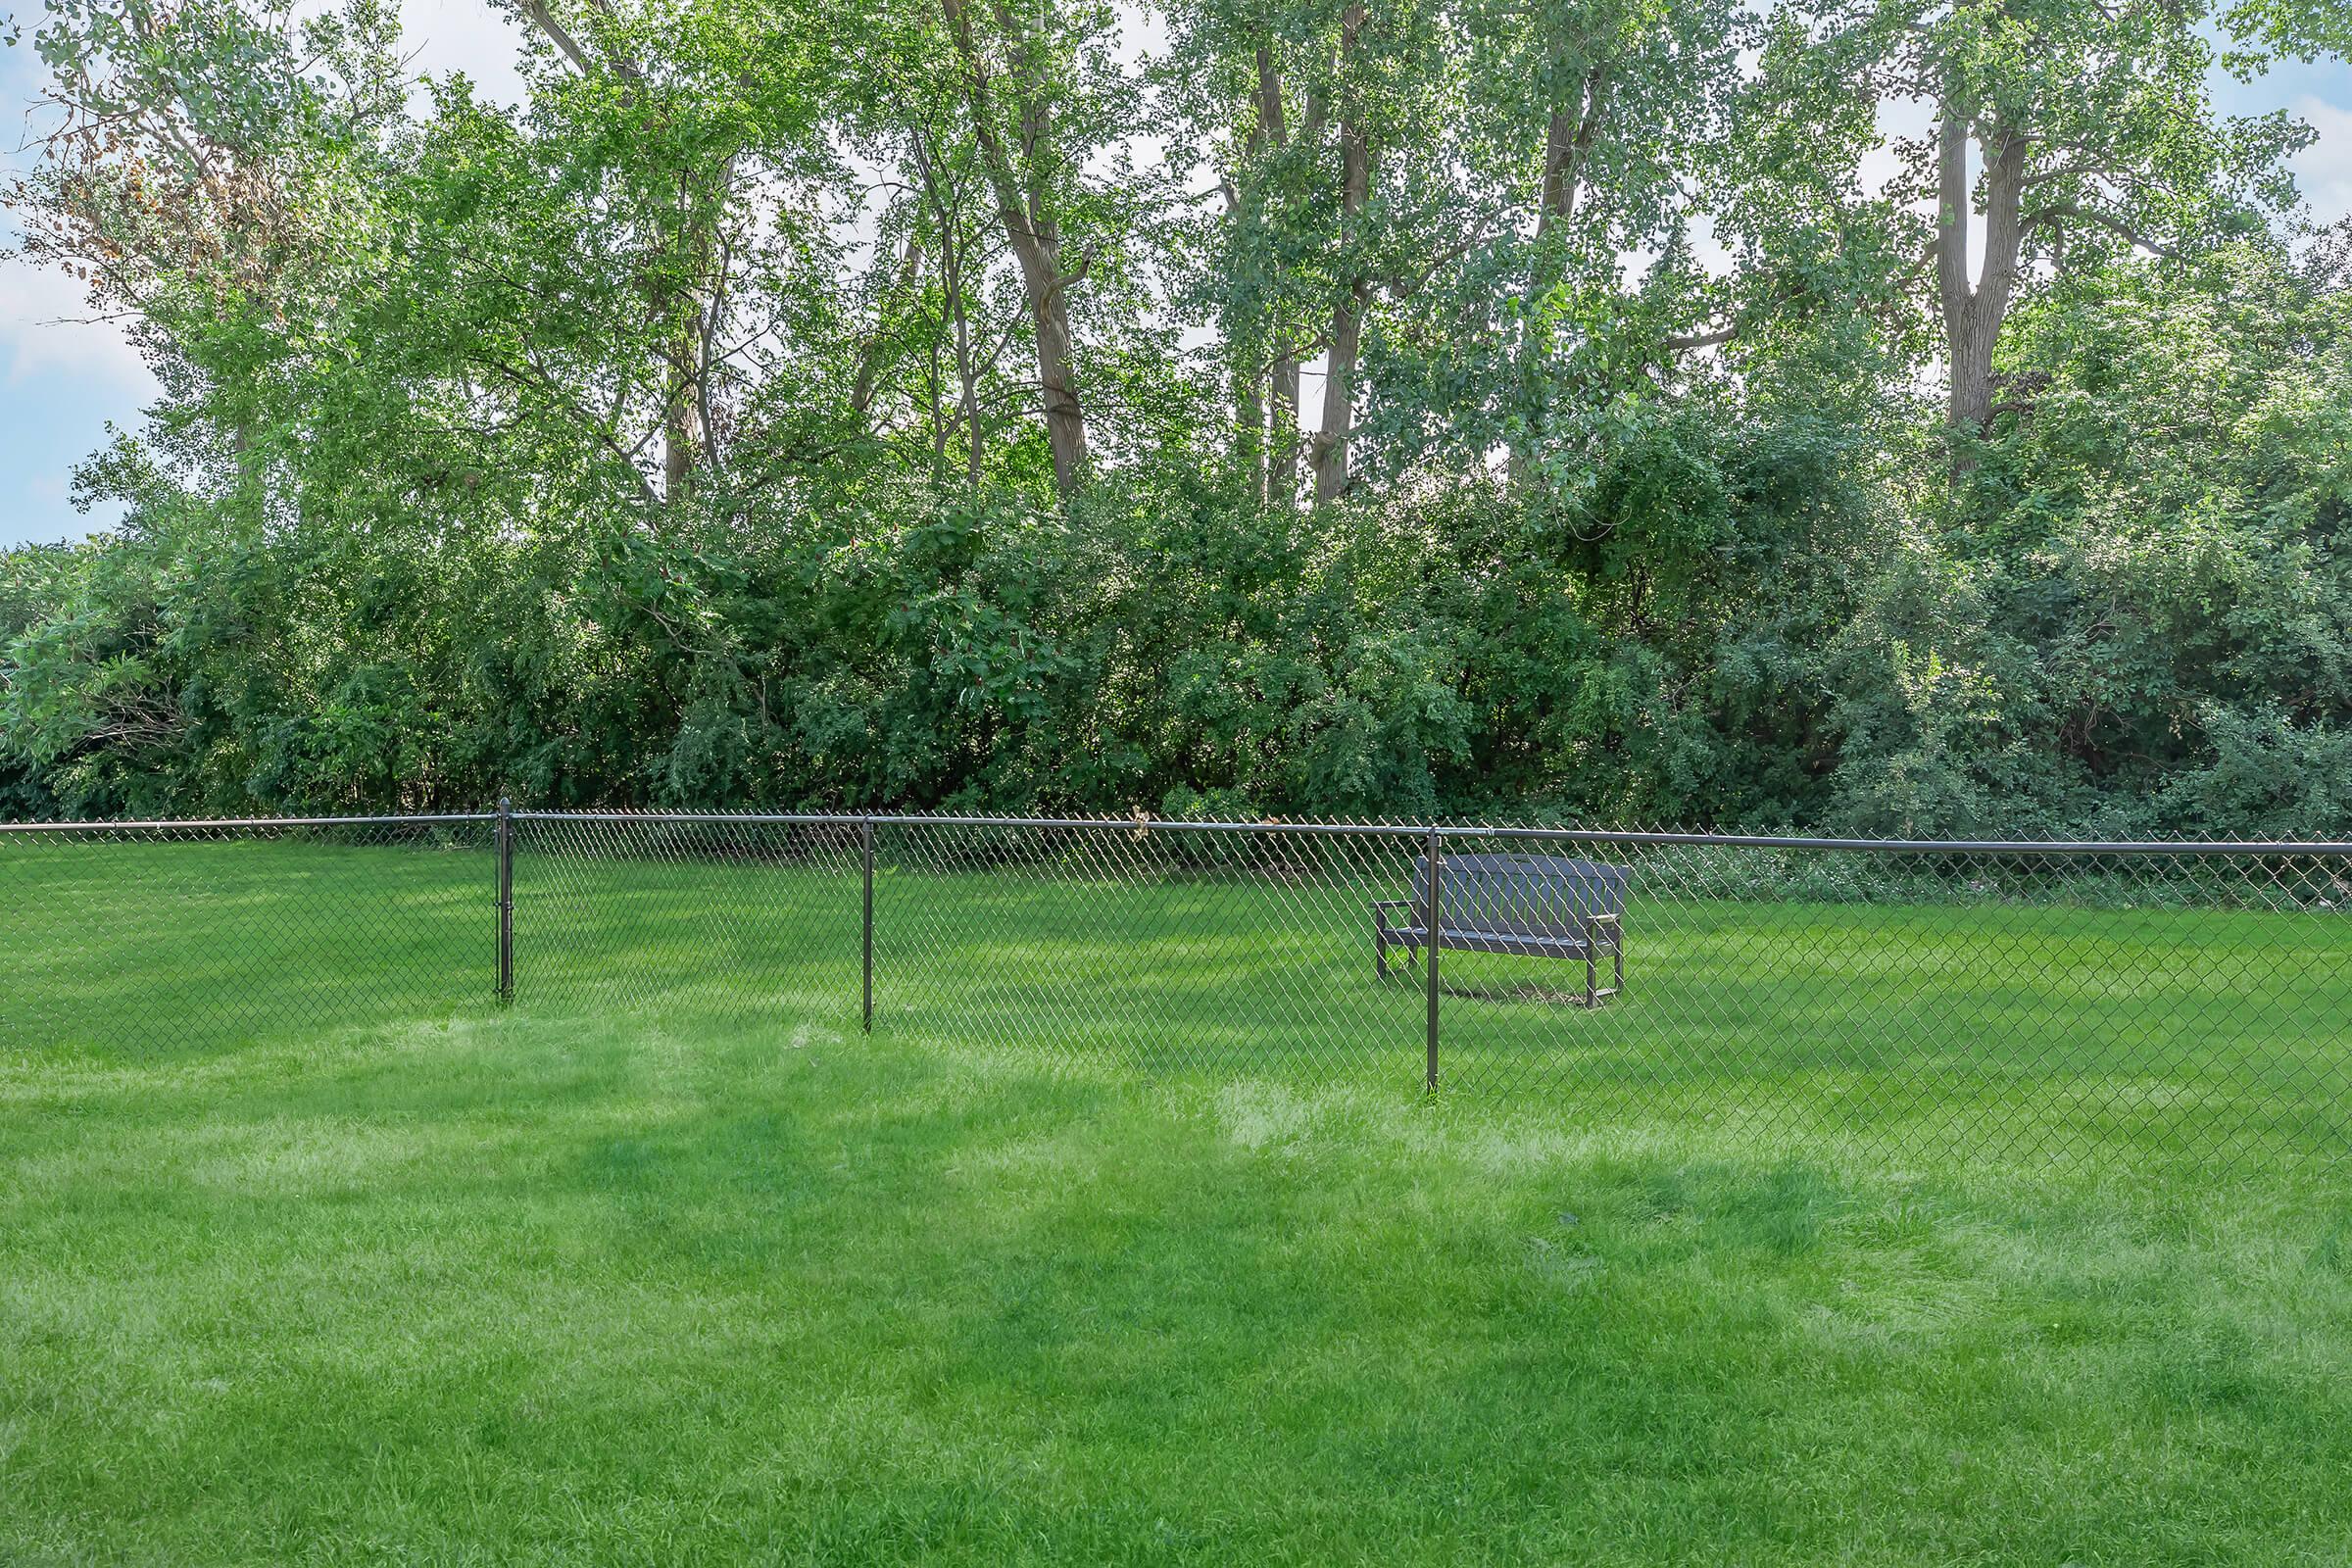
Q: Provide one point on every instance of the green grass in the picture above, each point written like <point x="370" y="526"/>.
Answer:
<point x="1126" y="1238"/>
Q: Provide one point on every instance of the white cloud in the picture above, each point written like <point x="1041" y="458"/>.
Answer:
<point x="2324" y="168"/>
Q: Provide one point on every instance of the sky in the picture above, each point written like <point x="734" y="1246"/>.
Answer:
<point x="64" y="380"/>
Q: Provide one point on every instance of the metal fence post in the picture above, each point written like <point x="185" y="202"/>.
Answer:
<point x="1437" y="923"/>
<point x="506" y="899"/>
<point x="865" y="834"/>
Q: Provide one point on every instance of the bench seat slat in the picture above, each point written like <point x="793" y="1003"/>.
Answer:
<point x="1542" y="947"/>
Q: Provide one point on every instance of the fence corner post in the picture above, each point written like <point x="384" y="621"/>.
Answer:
<point x="1437" y="921"/>
<point x="505" y="901"/>
<point x="866" y="837"/>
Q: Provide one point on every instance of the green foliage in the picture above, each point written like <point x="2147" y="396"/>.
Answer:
<point x="674" y="436"/>
<point x="2138" y="615"/>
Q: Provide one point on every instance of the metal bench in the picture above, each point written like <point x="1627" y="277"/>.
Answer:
<point x="1534" y="906"/>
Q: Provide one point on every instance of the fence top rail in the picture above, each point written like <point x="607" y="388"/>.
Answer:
<point x="1422" y="830"/>
<point x="2182" y="847"/>
<point x="1768" y="841"/>
<point x="186" y="823"/>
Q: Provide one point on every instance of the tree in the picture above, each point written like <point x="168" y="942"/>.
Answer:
<point x="2066" y="133"/>
<point x="1603" y="122"/>
<point x="801" y="403"/>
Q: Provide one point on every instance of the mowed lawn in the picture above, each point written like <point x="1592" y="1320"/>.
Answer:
<point x="1848" y="1232"/>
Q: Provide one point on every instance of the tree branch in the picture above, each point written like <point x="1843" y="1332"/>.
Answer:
<point x="1702" y="340"/>
<point x="2059" y="211"/>
<point x="545" y="21"/>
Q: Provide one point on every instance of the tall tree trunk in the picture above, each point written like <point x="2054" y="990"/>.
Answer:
<point x="1338" y="395"/>
<point x="1568" y="137"/>
<point x="946" y="210"/>
<point x="1248" y="336"/>
<point x="1973" y="314"/>
<point x="684" y="411"/>
<point x="1031" y="231"/>
<point x="877" y="342"/>
<point x="1567" y="147"/>
<point x="1347" y="316"/>
<point x="967" y="372"/>
<point x="682" y="415"/>
<point x="1282" y="369"/>
<point x="1042" y="278"/>
<point x="681" y="436"/>
<point x="1281" y="425"/>
<point x="1249" y="419"/>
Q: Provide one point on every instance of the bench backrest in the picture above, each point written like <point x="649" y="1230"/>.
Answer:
<point x="1519" y="894"/>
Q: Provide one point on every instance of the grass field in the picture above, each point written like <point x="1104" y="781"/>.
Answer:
<point x="1871" y="1235"/>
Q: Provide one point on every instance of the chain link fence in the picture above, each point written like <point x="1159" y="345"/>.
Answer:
<point x="179" y="936"/>
<point x="2169" y="1002"/>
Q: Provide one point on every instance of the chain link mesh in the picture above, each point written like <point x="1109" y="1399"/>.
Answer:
<point x="1160" y="948"/>
<point x="193" y="936"/>
<point x="2024" y="1003"/>
<point x="2019" y="1005"/>
<point x="731" y="922"/>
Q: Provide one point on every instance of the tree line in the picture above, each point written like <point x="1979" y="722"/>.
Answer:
<point x="1575" y="408"/>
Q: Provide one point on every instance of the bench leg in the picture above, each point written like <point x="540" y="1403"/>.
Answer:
<point x="1380" y="950"/>
<point x="1591" y="978"/>
<point x="1617" y="968"/>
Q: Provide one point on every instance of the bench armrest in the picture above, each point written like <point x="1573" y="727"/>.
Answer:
<point x="1391" y="904"/>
